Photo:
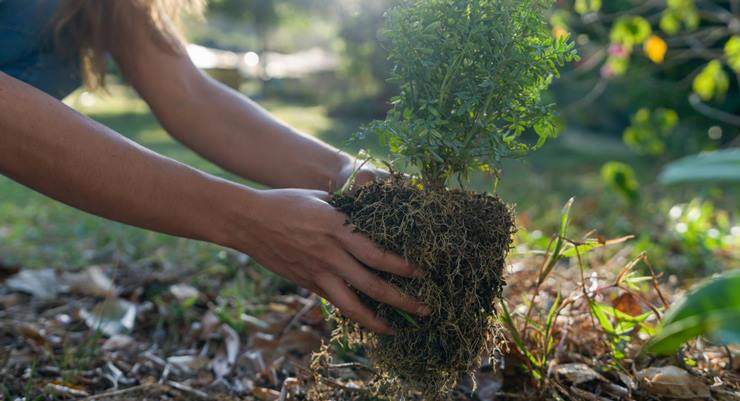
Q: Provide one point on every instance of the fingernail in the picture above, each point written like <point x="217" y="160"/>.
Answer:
<point x="424" y="310"/>
<point x="418" y="273"/>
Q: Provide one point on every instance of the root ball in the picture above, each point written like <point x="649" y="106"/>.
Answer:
<point x="460" y="239"/>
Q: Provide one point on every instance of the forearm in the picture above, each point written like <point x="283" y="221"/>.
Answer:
<point x="237" y="134"/>
<point x="54" y="150"/>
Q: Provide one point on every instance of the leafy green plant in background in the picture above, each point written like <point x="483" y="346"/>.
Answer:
<point x="461" y="107"/>
<point x="650" y="129"/>
<point x="653" y="56"/>
<point x="711" y="310"/>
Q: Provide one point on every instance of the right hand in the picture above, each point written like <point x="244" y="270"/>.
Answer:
<point x="298" y="235"/>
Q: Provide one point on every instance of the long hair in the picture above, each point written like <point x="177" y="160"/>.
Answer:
<point x="87" y="29"/>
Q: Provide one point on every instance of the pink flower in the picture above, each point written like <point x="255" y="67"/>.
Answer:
<point x="617" y="50"/>
<point x="607" y="71"/>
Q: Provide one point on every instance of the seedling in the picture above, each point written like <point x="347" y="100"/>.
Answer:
<point x="471" y="74"/>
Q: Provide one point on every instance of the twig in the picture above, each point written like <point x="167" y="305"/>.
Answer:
<point x="730" y="359"/>
<point x="119" y="392"/>
<point x="186" y="389"/>
<point x="645" y="260"/>
<point x="590" y="97"/>
<point x="313" y="302"/>
<point x="711" y="112"/>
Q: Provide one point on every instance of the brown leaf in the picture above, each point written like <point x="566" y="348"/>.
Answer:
<point x="117" y="342"/>
<point x="43" y="284"/>
<point x="302" y="341"/>
<point x="112" y="316"/>
<point x="577" y="373"/>
<point x="673" y="382"/>
<point x="32" y="332"/>
<point x="627" y="303"/>
<point x="265" y="394"/>
<point x="91" y="281"/>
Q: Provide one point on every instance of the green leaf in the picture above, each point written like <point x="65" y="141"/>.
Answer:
<point x="712" y="82"/>
<point x="722" y="327"/>
<point x="712" y="309"/>
<point x="678" y="14"/>
<point x="597" y="311"/>
<point x="621" y="178"/>
<point x="587" y="6"/>
<point x="732" y="53"/>
<point x="407" y="317"/>
<point x="515" y="336"/>
<point x="565" y="216"/>
<point x="559" y="241"/>
<point x="630" y="31"/>
<point x="712" y="167"/>
<point x="592" y="244"/>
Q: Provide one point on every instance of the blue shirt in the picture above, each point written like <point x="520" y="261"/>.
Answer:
<point x="27" y="50"/>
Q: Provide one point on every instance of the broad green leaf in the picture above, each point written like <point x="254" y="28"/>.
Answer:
<point x="712" y="309"/>
<point x="717" y="166"/>
<point x="722" y="327"/>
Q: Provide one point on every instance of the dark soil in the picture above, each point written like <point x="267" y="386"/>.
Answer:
<point x="460" y="239"/>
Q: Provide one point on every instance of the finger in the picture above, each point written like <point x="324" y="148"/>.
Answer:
<point x="377" y="288"/>
<point x="350" y="306"/>
<point x="369" y="254"/>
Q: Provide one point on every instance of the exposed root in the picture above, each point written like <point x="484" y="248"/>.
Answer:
<point x="460" y="239"/>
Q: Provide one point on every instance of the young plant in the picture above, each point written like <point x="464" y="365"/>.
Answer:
<point x="471" y="75"/>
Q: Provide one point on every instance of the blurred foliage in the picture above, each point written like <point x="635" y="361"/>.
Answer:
<point x="621" y="178"/>
<point x="721" y="166"/>
<point x="712" y="310"/>
<point x="365" y="66"/>
<point x="650" y="130"/>
<point x="687" y="47"/>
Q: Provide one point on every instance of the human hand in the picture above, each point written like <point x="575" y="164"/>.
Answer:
<point x="298" y="235"/>
<point x="360" y="173"/>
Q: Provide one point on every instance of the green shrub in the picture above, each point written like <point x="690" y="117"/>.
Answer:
<point x="471" y="75"/>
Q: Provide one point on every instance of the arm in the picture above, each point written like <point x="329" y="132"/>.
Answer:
<point x="49" y="147"/>
<point x="221" y="124"/>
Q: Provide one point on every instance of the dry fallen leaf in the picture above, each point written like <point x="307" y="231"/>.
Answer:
<point x="184" y="292"/>
<point x="628" y="304"/>
<point x="112" y="316"/>
<point x="188" y="363"/>
<point x="91" y="281"/>
<point x="117" y="342"/>
<point x="265" y="394"/>
<point x="671" y="381"/>
<point x="577" y="373"/>
<point x="42" y="284"/>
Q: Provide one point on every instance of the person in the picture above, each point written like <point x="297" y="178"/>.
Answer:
<point x="49" y="47"/>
